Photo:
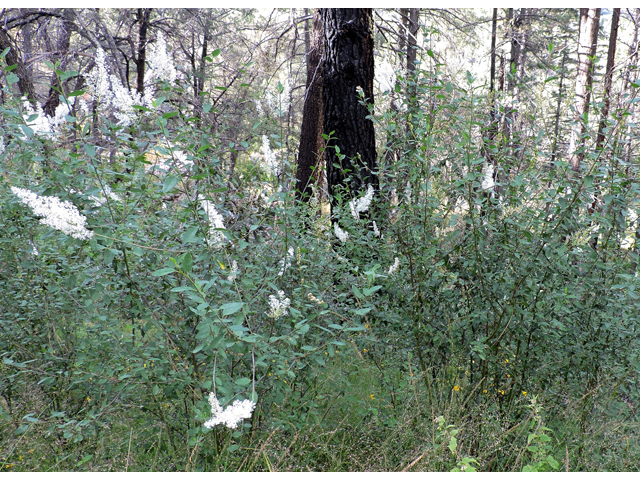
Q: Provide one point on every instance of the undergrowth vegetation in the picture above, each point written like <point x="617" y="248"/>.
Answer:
<point x="482" y="324"/>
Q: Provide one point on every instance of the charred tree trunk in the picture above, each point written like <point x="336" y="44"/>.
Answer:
<point x="61" y="53"/>
<point x="25" y="84"/>
<point x="587" y="42"/>
<point x="412" y="40"/>
<point x="311" y="141"/>
<point x="144" y="15"/>
<point x="348" y="64"/>
<point x="611" y="55"/>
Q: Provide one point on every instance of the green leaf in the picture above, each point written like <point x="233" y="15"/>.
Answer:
<point x="243" y="382"/>
<point x="231" y="308"/>
<point x="189" y="235"/>
<point x="215" y="53"/>
<point x="187" y="262"/>
<point x="553" y="463"/>
<point x="357" y="292"/>
<point x="363" y="311"/>
<point x="12" y="78"/>
<point x="169" y="183"/>
<point x="370" y="291"/>
<point x="162" y="272"/>
<point x="169" y="115"/>
<point x="89" y="150"/>
<point x="27" y="131"/>
<point x="67" y="75"/>
<point x="184" y="288"/>
<point x="453" y="445"/>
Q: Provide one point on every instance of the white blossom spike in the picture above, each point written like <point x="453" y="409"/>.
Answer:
<point x="278" y="306"/>
<point x="340" y="233"/>
<point x="62" y="216"/>
<point x="231" y="415"/>
<point x="360" y="205"/>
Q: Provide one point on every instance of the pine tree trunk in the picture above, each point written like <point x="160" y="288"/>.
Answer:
<point x="348" y="64"/>
<point x="62" y="50"/>
<point x="611" y="55"/>
<point x="25" y="84"/>
<point x="311" y="141"/>
<point x="143" y="17"/>
<point x="587" y="42"/>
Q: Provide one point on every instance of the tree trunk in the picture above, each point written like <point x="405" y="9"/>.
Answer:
<point x="634" y="50"/>
<point x="61" y="53"/>
<point x="144" y="15"/>
<point x="25" y="84"/>
<point x="412" y="39"/>
<point x="587" y="42"/>
<point x="348" y="64"/>
<point x="611" y="55"/>
<point x="311" y="141"/>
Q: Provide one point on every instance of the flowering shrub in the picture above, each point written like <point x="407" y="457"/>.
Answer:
<point x="466" y="287"/>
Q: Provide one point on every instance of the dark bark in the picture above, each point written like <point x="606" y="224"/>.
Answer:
<point x="311" y="141"/>
<point x="144" y="15"/>
<point x="62" y="50"/>
<point x="589" y="24"/>
<point x="25" y="83"/>
<point x="611" y="55"/>
<point x="348" y="64"/>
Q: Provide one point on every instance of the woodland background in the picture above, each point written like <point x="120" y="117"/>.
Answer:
<point x="413" y="245"/>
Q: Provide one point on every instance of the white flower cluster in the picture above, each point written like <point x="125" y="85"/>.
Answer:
<point x="98" y="79"/>
<point x="278" y="306"/>
<point x="215" y="221"/>
<point x="234" y="271"/>
<point x="487" y="182"/>
<point x="360" y="205"/>
<point x="376" y="232"/>
<point x="161" y="65"/>
<point x="340" y="233"/>
<point x="385" y="76"/>
<point x="109" y="92"/>
<point x="286" y="261"/>
<point x="269" y="162"/>
<point x="230" y="416"/>
<point x="394" y="268"/>
<point x="44" y="123"/>
<point x="62" y="216"/>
